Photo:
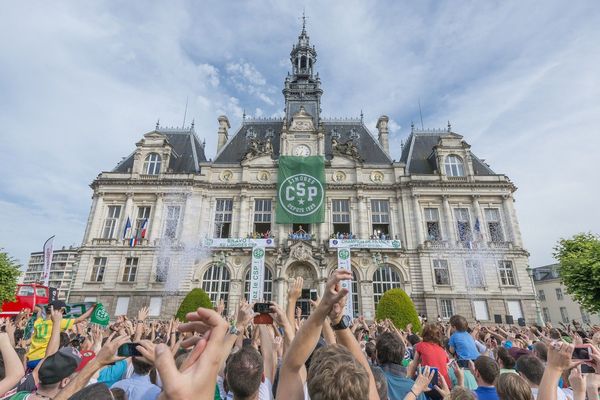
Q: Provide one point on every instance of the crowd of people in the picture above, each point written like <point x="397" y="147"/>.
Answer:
<point x="325" y="356"/>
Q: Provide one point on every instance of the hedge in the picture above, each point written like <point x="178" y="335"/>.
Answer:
<point x="399" y="308"/>
<point x="192" y="301"/>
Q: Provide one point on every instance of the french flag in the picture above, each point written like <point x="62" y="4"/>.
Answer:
<point x="144" y="228"/>
<point x="127" y="230"/>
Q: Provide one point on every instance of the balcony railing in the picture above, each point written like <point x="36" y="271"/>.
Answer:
<point x="105" y="242"/>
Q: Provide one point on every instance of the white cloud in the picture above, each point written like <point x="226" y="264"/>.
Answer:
<point x="81" y="83"/>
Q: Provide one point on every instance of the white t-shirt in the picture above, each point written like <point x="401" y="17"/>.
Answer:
<point x="560" y="395"/>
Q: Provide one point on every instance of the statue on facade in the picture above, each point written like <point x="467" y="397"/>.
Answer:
<point x="348" y="149"/>
<point x="257" y="149"/>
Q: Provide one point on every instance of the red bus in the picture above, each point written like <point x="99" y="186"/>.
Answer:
<point x="27" y="296"/>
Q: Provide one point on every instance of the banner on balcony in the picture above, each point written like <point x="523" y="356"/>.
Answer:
<point x="344" y="262"/>
<point x="239" y="243"/>
<point x="257" y="274"/>
<point x="364" y="243"/>
<point x="300" y="190"/>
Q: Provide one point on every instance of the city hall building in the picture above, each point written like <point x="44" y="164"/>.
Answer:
<point x="430" y="218"/>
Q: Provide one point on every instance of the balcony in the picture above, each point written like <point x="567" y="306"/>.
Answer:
<point x="436" y="244"/>
<point x="104" y="242"/>
<point x="500" y="245"/>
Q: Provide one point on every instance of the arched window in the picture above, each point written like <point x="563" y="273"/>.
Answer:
<point x="454" y="166"/>
<point x="385" y="278"/>
<point x="215" y="282"/>
<point x="152" y="164"/>
<point x="267" y="288"/>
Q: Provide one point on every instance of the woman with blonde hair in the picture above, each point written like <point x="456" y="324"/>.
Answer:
<point x="513" y="387"/>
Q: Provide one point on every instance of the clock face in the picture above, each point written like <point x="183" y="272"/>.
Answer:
<point x="302" y="151"/>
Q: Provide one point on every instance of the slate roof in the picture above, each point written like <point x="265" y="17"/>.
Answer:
<point x="188" y="152"/>
<point x="417" y="155"/>
<point x="368" y="147"/>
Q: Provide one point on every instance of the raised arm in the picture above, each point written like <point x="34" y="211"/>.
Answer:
<point x="140" y="324"/>
<point x="13" y="366"/>
<point x="268" y="351"/>
<point x="294" y="293"/>
<point x="559" y="359"/>
<point x="291" y="382"/>
<point x="85" y="315"/>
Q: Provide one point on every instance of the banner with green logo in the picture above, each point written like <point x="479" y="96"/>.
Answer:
<point x="344" y="261"/>
<point x="100" y="316"/>
<point x="300" y="190"/>
<point x="257" y="274"/>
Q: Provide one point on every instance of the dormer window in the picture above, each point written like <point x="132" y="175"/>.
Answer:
<point x="454" y="166"/>
<point x="152" y="164"/>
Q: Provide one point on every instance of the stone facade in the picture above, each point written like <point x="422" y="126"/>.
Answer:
<point x="461" y="248"/>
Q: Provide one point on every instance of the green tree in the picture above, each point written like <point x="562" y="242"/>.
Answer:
<point x="399" y="308"/>
<point x="9" y="273"/>
<point x="192" y="301"/>
<point x="579" y="259"/>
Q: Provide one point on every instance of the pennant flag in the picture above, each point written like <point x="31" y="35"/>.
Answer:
<point x="100" y="316"/>
<point x="47" y="260"/>
<point x="127" y="230"/>
<point x="143" y="229"/>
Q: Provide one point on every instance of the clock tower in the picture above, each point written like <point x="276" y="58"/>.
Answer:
<point x="302" y="134"/>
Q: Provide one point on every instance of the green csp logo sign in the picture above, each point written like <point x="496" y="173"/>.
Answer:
<point x="344" y="254"/>
<point x="258" y="253"/>
<point x="301" y="195"/>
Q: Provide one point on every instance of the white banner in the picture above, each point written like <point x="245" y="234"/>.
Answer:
<point x="47" y="260"/>
<point x="364" y="243"/>
<point x="239" y="243"/>
<point x="257" y="275"/>
<point x="344" y="262"/>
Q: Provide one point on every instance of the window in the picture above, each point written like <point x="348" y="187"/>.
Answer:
<point x="384" y="279"/>
<point x="474" y="274"/>
<point x="98" y="269"/>
<point x="432" y="219"/>
<point x="492" y="216"/>
<point x="152" y="164"/>
<point x="142" y="215"/>
<point x="154" y="307"/>
<point x="41" y="292"/>
<point x="262" y="216"/>
<point x="91" y="299"/>
<point x="122" y="306"/>
<point x="564" y="315"/>
<point x="541" y="295"/>
<point x="172" y="221"/>
<point x="110" y="223"/>
<point x="267" y="287"/>
<point x="130" y="270"/>
<point x="514" y="309"/>
<point x="440" y="271"/>
<point x="215" y="283"/>
<point x="463" y="225"/>
<point x="454" y="166"/>
<point x="480" y="310"/>
<point x="585" y="317"/>
<point x="559" y="294"/>
<point x="223" y="218"/>
<point x="546" y="313"/>
<point x="162" y="269"/>
<point x="341" y="216"/>
<point x="507" y="275"/>
<point x="380" y="217"/>
<point x="446" y="308"/>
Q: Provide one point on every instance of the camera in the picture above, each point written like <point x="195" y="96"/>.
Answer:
<point x="262" y="308"/>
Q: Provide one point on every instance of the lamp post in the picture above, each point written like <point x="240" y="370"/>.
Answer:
<point x="538" y="310"/>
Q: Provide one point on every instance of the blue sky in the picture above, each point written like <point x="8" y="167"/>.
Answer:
<point x="81" y="82"/>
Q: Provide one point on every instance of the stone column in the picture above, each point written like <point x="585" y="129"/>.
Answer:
<point x="448" y="221"/>
<point x="512" y="224"/>
<point x="204" y="218"/>
<point x="366" y="299"/>
<point x="322" y="228"/>
<point x="185" y="228"/>
<point x="363" y="218"/>
<point x="241" y="213"/>
<point x="418" y="219"/>
<point x="280" y="297"/>
<point x="95" y="222"/>
<point x="400" y="223"/>
<point x="156" y="221"/>
<point x="479" y="216"/>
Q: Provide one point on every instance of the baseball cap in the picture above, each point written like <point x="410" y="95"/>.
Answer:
<point x="59" y="365"/>
<point x="57" y="304"/>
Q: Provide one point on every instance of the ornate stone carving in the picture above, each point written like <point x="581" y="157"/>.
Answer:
<point x="347" y="149"/>
<point x="263" y="176"/>
<point x="226" y="176"/>
<point x="338" y="176"/>
<point x="377" y="176"/>
<point x="302" y="252"/>
<point x="257" y="149"/>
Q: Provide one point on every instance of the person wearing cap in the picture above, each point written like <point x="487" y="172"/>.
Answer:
<point x="54" y="374"/>
<point x="42" y="328"/>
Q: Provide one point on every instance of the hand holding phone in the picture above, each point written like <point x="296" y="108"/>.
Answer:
<point x="582" y="352"/>
<point x="128" y="350"/>
<point x="264" y="309"/>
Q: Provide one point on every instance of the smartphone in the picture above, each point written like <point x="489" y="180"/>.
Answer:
<point x="586" y="369"/>
<point x="582" y="352"/>
<point x="463" y="363"/>
<point x="262" y="308"/>
<point x="313" y="294"/>
<point x="128" y="350"/>
<point x="434" y="380"/>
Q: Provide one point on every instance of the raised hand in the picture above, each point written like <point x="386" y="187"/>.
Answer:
<point x="423" y="380"/>
<point x="198" y="380"/>
<point x="55" y="315"/>
<point x="221" y="306"/>
<point x="244" y="315"/>
<point x="108" y="353"/>
<point x="295" y="289"/>
<point x="143" y="314"/>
